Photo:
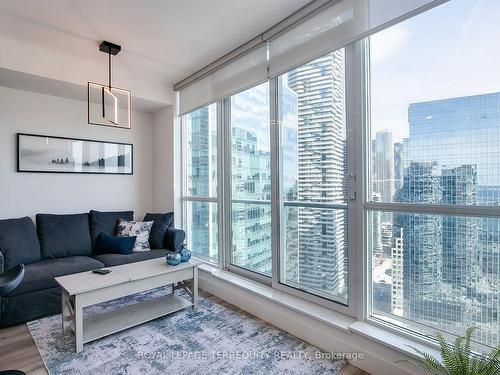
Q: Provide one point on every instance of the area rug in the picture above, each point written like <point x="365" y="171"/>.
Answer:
<point x="212" y="339"/>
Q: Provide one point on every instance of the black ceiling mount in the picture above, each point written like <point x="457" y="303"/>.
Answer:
<point x="108" y="47"/>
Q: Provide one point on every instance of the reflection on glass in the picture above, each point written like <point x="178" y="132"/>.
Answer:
<point x="251" y="229"/>
<point x="201" y="131"/>
<point x="251" y="179"/>
<point x="201" y="229"/>
<point x="313" y="153"/>
<point x="435" y="127"/>
<point x="315" y="251"/>
<point x="250" y="145"/>
<point x="424" y="119"/>
<point x="438" y="270"/>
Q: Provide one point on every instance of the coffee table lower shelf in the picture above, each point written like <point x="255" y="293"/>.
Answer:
<point x="85" y="289"/>
<point x="126" y="317"/>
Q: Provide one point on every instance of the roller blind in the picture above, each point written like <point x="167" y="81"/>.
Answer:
<point x="332" y="25"/>
<point x="244" y="72"/>
<point x="336" y="25"/>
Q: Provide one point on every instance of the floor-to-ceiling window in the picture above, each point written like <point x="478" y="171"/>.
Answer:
<point x="435" y="171"/>
<point x="250" y="181"/>
<point x="381" y="158"/>
<point x="313" y="176"/>
<point x="200" y="182"/>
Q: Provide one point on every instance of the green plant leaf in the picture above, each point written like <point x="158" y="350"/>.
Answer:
<point x="457" y="358"/>
<point x="429" y="363"/>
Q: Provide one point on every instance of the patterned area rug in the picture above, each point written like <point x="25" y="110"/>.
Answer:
<point x="212" y="339"/>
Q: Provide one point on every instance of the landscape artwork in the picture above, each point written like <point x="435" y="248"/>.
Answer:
<point x="40" y="153"/>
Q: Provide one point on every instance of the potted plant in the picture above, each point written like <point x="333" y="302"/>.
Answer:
<point x="457" y="359"/>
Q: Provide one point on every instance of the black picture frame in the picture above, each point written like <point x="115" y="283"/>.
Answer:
<point x="21" y="170"/>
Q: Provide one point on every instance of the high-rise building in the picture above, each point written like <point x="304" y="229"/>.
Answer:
<point x="465" y="127"/>
<point x="422" y="244"/>
<point x="251" y="180"/>
<point x="375" y="229"/>
<point x="383" y="174"/>
<point x="319" y="86"/>
<point x="397" y="274"/>
<point x="467" y="291"/>
<point x="202" y="166"/>
<point x="386" y="238"/>
<point x="460" y="235"/>
<point x="398" y="165"/>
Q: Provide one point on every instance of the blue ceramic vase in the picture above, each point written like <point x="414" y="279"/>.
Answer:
<point x="173" y="258"/>
<point x="185" y="254"/>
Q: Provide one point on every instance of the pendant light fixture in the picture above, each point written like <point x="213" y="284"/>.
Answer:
<point x="108" y="105"/>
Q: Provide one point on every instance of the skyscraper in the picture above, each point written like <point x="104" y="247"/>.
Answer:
<point x="460" y="235"/>
<point x="397" y="256"/>
<point x="251" y="180"/>
<point x="448" y="161"/>
<point x="319" y="86"/>
<point x="383" y="173"/>
<point x="422" y="244"/>
<point x="398" y="165"/>
<point x="202" y="164"/>
<point x="375" y="229"/>
<point x="468" y="131"/>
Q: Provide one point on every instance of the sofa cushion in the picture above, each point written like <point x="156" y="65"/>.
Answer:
<point x="63" y="235"/>
<point x="30" y="306"/>
<point x="138" y="229"/>
<point x="174" y="239"/>
<point x="105" y="222"/>
<point x="160" y="226"/>
<point x="18" y="242"/>
<point x="41" y="275"/>
<point x="110" y="260"/>
<point x="115" y="244"/>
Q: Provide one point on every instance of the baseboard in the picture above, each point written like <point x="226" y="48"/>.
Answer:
<point x="377" y="358"/>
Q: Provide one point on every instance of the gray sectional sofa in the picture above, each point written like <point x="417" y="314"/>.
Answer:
<point x="62" y="245"/>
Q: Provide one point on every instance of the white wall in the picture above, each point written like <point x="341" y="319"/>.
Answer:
<point x="163" y="160"/>
<point x="25" y="194"/>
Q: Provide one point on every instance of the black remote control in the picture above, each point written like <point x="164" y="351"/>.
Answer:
<point x="102" y="271"/>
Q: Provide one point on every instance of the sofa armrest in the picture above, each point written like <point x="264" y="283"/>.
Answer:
<point x="174" y="239"/>
<point x="1" y="262"/>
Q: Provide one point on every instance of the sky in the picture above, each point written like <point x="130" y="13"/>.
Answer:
<point x="450" y="51"/>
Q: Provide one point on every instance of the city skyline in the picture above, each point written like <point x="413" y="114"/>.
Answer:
<point x="441" y="270"/>
<point x="438" y="270"/>
<point x="406" y="66"/>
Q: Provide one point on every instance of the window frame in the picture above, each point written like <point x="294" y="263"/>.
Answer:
<point x="185" y="197"/>
<point x="353" y="246"/>
<point x="358" y="140"/>
<point x="412" y="330"/>
<point x="228" y="263"/>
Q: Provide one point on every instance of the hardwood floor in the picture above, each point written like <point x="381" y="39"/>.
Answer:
<point x="18" y="350"/>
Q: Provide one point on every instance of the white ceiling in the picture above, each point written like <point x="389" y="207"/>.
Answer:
<point x="167" y="39"/>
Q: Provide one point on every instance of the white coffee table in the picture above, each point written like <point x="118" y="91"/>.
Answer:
<point x="86" y="288"/>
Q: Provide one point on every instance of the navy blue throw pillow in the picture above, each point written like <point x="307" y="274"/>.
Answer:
<point x="115" y="245"/>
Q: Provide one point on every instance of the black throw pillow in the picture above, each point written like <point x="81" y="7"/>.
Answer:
<point x="18" y="242"/>
<point x="115" y="244"/>
<point x="105" y="222"/>
<point x="160" y="226"/>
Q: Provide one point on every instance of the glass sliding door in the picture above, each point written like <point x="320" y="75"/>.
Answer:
<point x="251" y="180"/>
<point x="313" y="178"/>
